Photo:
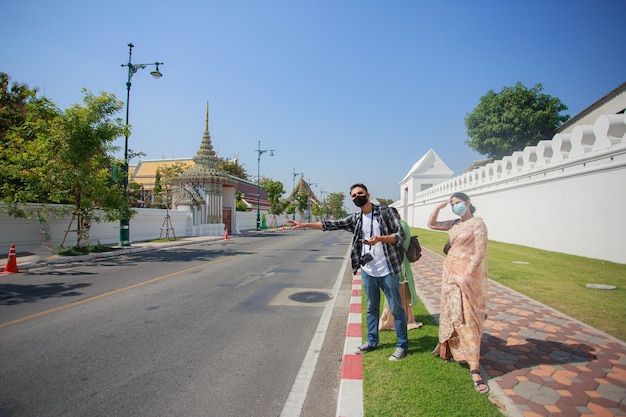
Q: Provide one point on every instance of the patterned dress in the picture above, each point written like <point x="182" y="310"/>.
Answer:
<point x="464" y="293"/>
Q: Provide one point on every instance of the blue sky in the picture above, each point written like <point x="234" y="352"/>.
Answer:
<point x="344" y="91"/>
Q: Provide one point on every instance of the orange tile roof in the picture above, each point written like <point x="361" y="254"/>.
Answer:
<point x="145" y="171"/>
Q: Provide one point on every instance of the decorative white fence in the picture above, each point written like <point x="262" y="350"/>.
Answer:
<point x="565" y="194"/>
<point x="29" y="235"/>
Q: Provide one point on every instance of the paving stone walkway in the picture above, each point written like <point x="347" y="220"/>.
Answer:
<point x="542" y="361"/>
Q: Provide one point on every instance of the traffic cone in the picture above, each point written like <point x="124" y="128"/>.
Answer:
<point x="226" y="234"/>
<point x="283" y="227"/>
<point x="11" y="266"/>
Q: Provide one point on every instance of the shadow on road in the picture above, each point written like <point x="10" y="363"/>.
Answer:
<point x="12" y="294"/>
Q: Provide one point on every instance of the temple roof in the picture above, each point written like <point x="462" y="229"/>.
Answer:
<point x="205" y="169"/>
<point x="303" y="188"/>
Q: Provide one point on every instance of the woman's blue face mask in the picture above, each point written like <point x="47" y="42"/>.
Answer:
<point x="459" y="209"/>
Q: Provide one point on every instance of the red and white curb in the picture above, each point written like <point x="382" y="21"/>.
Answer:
<point x="350" y="400"/>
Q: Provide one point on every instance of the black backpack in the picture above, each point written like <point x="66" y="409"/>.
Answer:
<point x="414" y="252"/>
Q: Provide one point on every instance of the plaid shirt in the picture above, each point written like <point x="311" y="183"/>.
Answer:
<point x="388" y="226"/>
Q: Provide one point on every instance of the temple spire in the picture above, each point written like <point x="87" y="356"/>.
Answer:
<point x="205" y="169"/>
<point x="206" y="126"/>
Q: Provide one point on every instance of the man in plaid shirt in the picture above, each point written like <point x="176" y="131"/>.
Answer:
<point x="376" y="249"/>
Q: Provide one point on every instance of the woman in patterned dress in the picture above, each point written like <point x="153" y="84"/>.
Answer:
<point x="463" y="286"/>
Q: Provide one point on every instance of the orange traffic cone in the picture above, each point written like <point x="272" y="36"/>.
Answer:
<point x="226" y="234"/>
<point x="283" y="227"/>
<point x="11" y="266"/>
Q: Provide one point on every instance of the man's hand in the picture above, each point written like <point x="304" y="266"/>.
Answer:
<point x="374" y="240"/>
<point x="295" y="225"/>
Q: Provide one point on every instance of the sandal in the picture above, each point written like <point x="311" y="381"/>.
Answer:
<point x="479" y="382"/>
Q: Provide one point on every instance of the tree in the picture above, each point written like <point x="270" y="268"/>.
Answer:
<point x="80" y="159"/>
<point x="233" y="168"/>
<point x="51" y="156"/>
<point x="167" y="176"/>
<point x="240" y="205"/>
<point x="505" y="122"/>
<point x="157" y="190"/>
<point x="26" y="125"/>
<point x="168" y="179"/>
<point x="317" y="210"/>
<point x="334" y="205"/>
<point x="384" y="201"/>
<point x="274" y="190"/>
<point x="302" y="201"/>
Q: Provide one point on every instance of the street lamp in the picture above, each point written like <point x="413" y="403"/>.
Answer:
<point x="258" y="184"/>
<point x="311" y="184"/>
<point x="132" y="69"/>
<point x="293" y="187"/>
<point x="322" y="203"/>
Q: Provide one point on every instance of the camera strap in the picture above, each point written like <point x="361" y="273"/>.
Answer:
<point x="371" y="229"/>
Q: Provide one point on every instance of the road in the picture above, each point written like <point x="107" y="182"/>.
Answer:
<point x="209" y="329"/>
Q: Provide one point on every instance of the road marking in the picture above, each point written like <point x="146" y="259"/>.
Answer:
<point x="295" y="401"/>
<point x="119" y="290"/>
<point x="108" y="293"/>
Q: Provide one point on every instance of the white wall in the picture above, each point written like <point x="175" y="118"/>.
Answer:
<point x="246" y="220"/>
<point x="28" y="234"/>
<point x="564" y="195"/>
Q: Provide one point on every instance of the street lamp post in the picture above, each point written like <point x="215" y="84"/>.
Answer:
<point x="324" y="209"/>
<point x="293" y="187"/>
<point x="258" y="184"/>
<point x="311" y="184"/>
<point x="132" y="69"/>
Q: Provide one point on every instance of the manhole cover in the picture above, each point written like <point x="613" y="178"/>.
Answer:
<point x="335" y="258"/>
<point x="309" y="297"/>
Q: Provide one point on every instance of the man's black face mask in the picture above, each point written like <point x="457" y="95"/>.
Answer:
<point x="360" y="200"/>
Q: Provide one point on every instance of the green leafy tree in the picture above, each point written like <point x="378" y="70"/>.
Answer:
<point x="50" y="156"/>
<point x="134" y="193"/>
<point x="334" y="205"/>
<point x="80" y="161"/>
<point x="13" y="102"/>
<point x="317" y="210"/>
<point x="27" y="125"/>
<point x="302" y="203"/>
<point x="240" y="205"/>
<point x="274" y="190"/>
<point x="505" y="122"/>
<point x="167" y="178"/>
<point x="233" y="168"/>
<point x="384" y="201"/>
<point x="157" y="190"/>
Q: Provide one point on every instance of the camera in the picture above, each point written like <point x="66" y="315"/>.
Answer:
<point x="365" y="259"/>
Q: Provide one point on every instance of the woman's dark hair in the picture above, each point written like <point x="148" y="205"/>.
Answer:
<point x="464" y="197"/>
<point x="358" y="185"/>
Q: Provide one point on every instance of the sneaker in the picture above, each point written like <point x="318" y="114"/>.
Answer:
<point x="364" y="348"/>
<point x="398" y="354"/>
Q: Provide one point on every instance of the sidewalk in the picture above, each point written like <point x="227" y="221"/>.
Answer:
<point x="27" y="261"/>
<point x="540" y="362"/>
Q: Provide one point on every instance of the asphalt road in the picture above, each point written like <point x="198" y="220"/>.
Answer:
<point x="210" y="329"/>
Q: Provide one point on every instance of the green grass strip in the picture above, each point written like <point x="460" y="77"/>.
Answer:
<point x="423" y="385"/>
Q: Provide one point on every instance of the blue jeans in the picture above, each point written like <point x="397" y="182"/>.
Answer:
<point x="390" y="284"/>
